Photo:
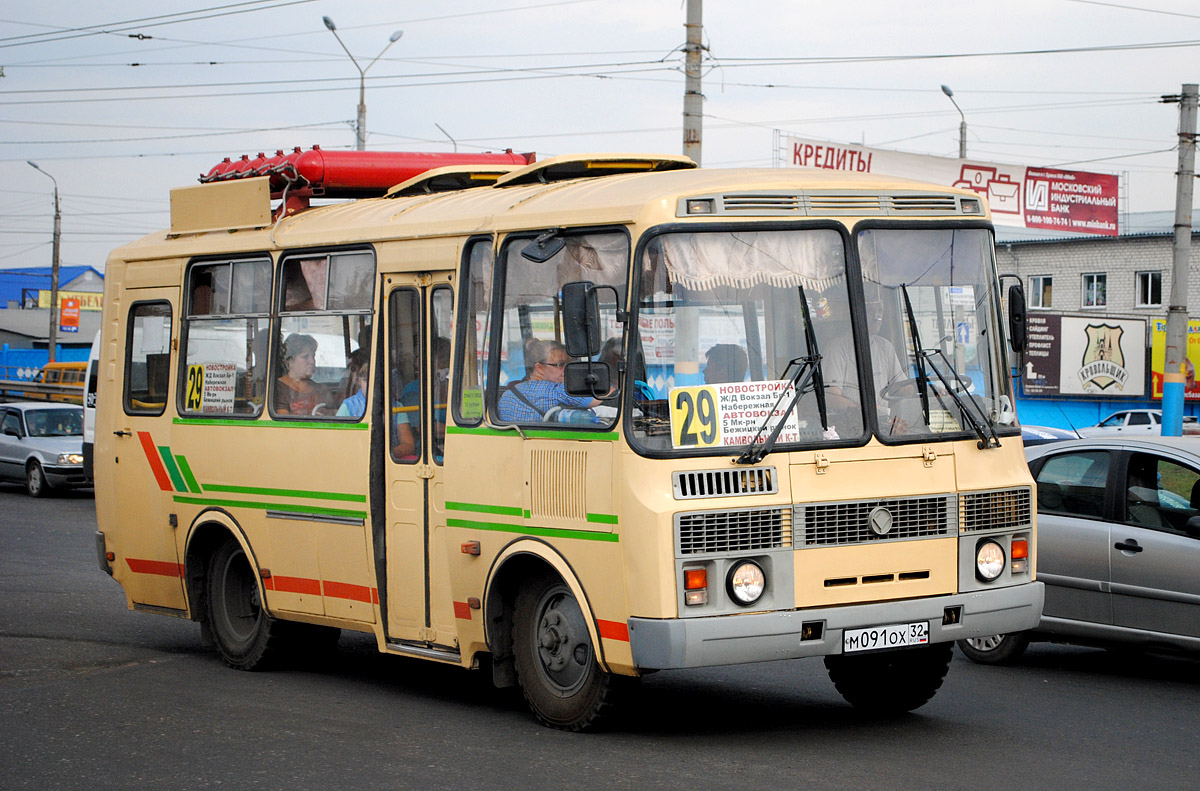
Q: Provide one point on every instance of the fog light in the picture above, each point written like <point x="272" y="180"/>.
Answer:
<point x="746" y="582"/>
<point x="695" y="598"/>
<point x="989" y="560"/>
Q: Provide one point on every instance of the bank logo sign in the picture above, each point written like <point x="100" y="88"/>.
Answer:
<point x="1085" y="356"/>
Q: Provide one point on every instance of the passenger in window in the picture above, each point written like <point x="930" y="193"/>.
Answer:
<point x="408" y="413"/>
<point x="295" y="392"/>
<point x="725" y="362"/>
<point x="542" y="397"/>
<point x="356" y="404"/>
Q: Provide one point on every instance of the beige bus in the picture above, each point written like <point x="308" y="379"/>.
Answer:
<point x="571" y="422"/>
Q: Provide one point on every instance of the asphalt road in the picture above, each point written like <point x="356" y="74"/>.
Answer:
<point x="93" y="696"/>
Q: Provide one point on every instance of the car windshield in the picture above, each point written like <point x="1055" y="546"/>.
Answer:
<point x="54" y="422"/>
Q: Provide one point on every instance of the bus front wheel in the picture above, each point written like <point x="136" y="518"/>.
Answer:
<point x="890" y="682"/>
<point x="555" y="661"/>
<point x="247" y="638"/>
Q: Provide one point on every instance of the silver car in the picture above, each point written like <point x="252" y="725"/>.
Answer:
<point x="1118" y="546"/>
<point x="41" y="445"/>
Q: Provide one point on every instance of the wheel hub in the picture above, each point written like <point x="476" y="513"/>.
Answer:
<point x="563" y="646"/>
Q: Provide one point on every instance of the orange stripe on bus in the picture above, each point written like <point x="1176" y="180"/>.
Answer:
<point x="344" y="590"/>
<point x="158" y="567"/>
<point x="297" y="585"/>
<point x="156" y="465"/>
<point x="613" y="630"/>
<point x="462" y="610"/>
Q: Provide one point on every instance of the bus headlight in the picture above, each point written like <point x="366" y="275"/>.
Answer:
<point x="989" y="560"/>
<point x="70" y="458"/>
<point x="746" y="582"/>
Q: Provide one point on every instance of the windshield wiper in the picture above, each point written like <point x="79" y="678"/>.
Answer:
<point x="983" y="429"/>
<point x="810" y="364"/>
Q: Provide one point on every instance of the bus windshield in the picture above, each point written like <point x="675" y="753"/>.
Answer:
<point x="933" y="317"/>
<point x="727" y="319"/>
<point x="721" y="335"/>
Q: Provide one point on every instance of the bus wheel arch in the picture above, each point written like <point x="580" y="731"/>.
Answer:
<point x="543" y="636"/>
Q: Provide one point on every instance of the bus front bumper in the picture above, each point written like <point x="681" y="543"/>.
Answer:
<point x="660" y="644"/>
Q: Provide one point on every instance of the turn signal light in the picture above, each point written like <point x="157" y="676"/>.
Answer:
<point x="1019" y="548"/>
<point x="695" y="579"/>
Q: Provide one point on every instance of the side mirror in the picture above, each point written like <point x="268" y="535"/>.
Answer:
<point x="545" y="247"/>
<point x="1016" y="317"/>
<point x="587" y="379"/>
<point x="581" y="319"/>
<point x="1192" y="527"/>
<point x="12" y="432"/>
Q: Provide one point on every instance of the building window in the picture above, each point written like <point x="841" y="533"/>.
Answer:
<point x="1040" y="288"/>
<point x="1094" y="290"/>
<point x="1149" y="289"/>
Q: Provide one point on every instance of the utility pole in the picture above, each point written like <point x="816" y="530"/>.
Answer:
<point x="1174" y="370"/>
<point x="693" y="99"/>
<point x="53" y="339"/>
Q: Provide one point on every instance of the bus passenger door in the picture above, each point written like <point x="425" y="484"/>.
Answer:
<point x="406" y="467"/>
<point x="139" y="436"/>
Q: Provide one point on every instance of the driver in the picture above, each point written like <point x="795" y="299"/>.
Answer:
<point x="839" y="366"/>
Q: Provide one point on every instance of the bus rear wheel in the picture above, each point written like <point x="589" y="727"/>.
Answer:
<point x="891" y="682"/>
<point x="247" y="638"/>
<point x="556" y="664"/>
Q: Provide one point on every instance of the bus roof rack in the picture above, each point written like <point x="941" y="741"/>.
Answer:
<point x="578" y="166"/>
<point x="450" y="178"/>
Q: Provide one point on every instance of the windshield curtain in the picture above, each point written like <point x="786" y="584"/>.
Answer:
<point x="721" y="333"/>
<point x="952" y="333"/>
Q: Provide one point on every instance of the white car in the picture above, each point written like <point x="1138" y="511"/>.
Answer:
<point x="41" y="445"/>
<point x="1127" y="422"/>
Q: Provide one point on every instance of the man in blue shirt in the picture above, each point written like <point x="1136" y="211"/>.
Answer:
<point x="530" y="400"/>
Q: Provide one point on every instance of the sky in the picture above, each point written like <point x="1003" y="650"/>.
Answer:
<point x="122" y="101"/>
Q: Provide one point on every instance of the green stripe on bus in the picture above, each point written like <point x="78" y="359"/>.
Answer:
<point x="172" y="470"/>
<point x="602" y="519"/>
<point x="290" y="508"/>
<point x="193" y="421"/>
<point x="546" y="532"/>
<point x="186" y="469"/>
<point x="352" y="498"/>
<point x="595" y="436"/>
<point x="502" y="510"/>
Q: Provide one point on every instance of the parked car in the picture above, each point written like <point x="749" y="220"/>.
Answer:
<point x="1118" y="546"/>
<point x="41" y="444"/>
<point x="1127" y="421"/>
<point x="1037" y="435"/>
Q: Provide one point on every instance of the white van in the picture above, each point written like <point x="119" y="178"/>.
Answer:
<point x="89" y="407"/>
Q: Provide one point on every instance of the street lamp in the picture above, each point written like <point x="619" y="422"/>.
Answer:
<point x="360" y="130"/>
<point x="54" y="264"/>
<point x="962" y="127"/>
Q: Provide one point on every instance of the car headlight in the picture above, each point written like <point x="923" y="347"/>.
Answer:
<point x="746" y="582"/>
<point x="989" y="560"/>
<point x="70" y="458"/>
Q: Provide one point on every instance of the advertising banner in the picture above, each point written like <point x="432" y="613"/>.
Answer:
<point x="88" y="300"/>
<point x="1158" y="356"/>
<point x="1082" y="355"/>
<point x="68" y="315"/>
<point x="1026" y="197"/>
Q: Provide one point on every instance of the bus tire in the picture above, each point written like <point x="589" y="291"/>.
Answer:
<point x="556" y="663"/>
<point x="247" y="638"/>
<point x="36" y="484"/>
<point x="995" y="649"/>
<point x="890" y="682"/>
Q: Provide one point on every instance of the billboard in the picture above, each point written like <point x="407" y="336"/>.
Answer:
<point x="1028" y="197"/>
<point x="1158" y="356"/>
<point x="1084" y="356"/>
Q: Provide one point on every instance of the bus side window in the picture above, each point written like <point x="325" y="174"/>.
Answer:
<point x="442" y="326"/>
<point x="324" y="335"/>
<point x="147" y="358"/>
<point x="474" y="336"/>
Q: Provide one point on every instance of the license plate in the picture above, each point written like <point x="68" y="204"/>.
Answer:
<point x="895" y="635"/>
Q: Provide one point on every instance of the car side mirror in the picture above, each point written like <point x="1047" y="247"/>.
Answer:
<point x="12" y="432"/>
<point x="1192" y="527"/>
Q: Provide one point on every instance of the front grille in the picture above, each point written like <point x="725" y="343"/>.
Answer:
<point x="837" y="524"/>
<point x="697" y="484"/>
<point x="995" y="510"/>
<point x="740" y="530"/>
